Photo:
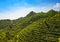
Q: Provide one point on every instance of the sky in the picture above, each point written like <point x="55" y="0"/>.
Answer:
<point x="13" y="9"/>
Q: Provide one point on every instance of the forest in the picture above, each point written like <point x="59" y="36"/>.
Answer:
<point x="34" y="27"/>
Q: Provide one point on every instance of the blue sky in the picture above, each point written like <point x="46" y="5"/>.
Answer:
<point x="13" y="9"/>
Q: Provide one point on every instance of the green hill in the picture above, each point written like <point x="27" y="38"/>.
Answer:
<point x="35" y="27"/>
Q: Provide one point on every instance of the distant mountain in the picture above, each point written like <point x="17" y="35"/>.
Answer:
<point x="35" y="27"/>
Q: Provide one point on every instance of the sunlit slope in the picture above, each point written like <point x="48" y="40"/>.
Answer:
<point x="42" y="30"/>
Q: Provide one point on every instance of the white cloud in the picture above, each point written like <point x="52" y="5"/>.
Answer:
<point x="16" y="13"/>
<point x="57" y="5"/>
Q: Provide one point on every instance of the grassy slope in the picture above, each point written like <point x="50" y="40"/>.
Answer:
<point x="39" y="32"/>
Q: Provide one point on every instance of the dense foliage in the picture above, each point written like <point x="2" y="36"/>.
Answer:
<point x="35" y="27"/>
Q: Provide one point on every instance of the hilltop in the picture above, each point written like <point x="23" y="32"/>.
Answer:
<point x="35" y="27"/>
